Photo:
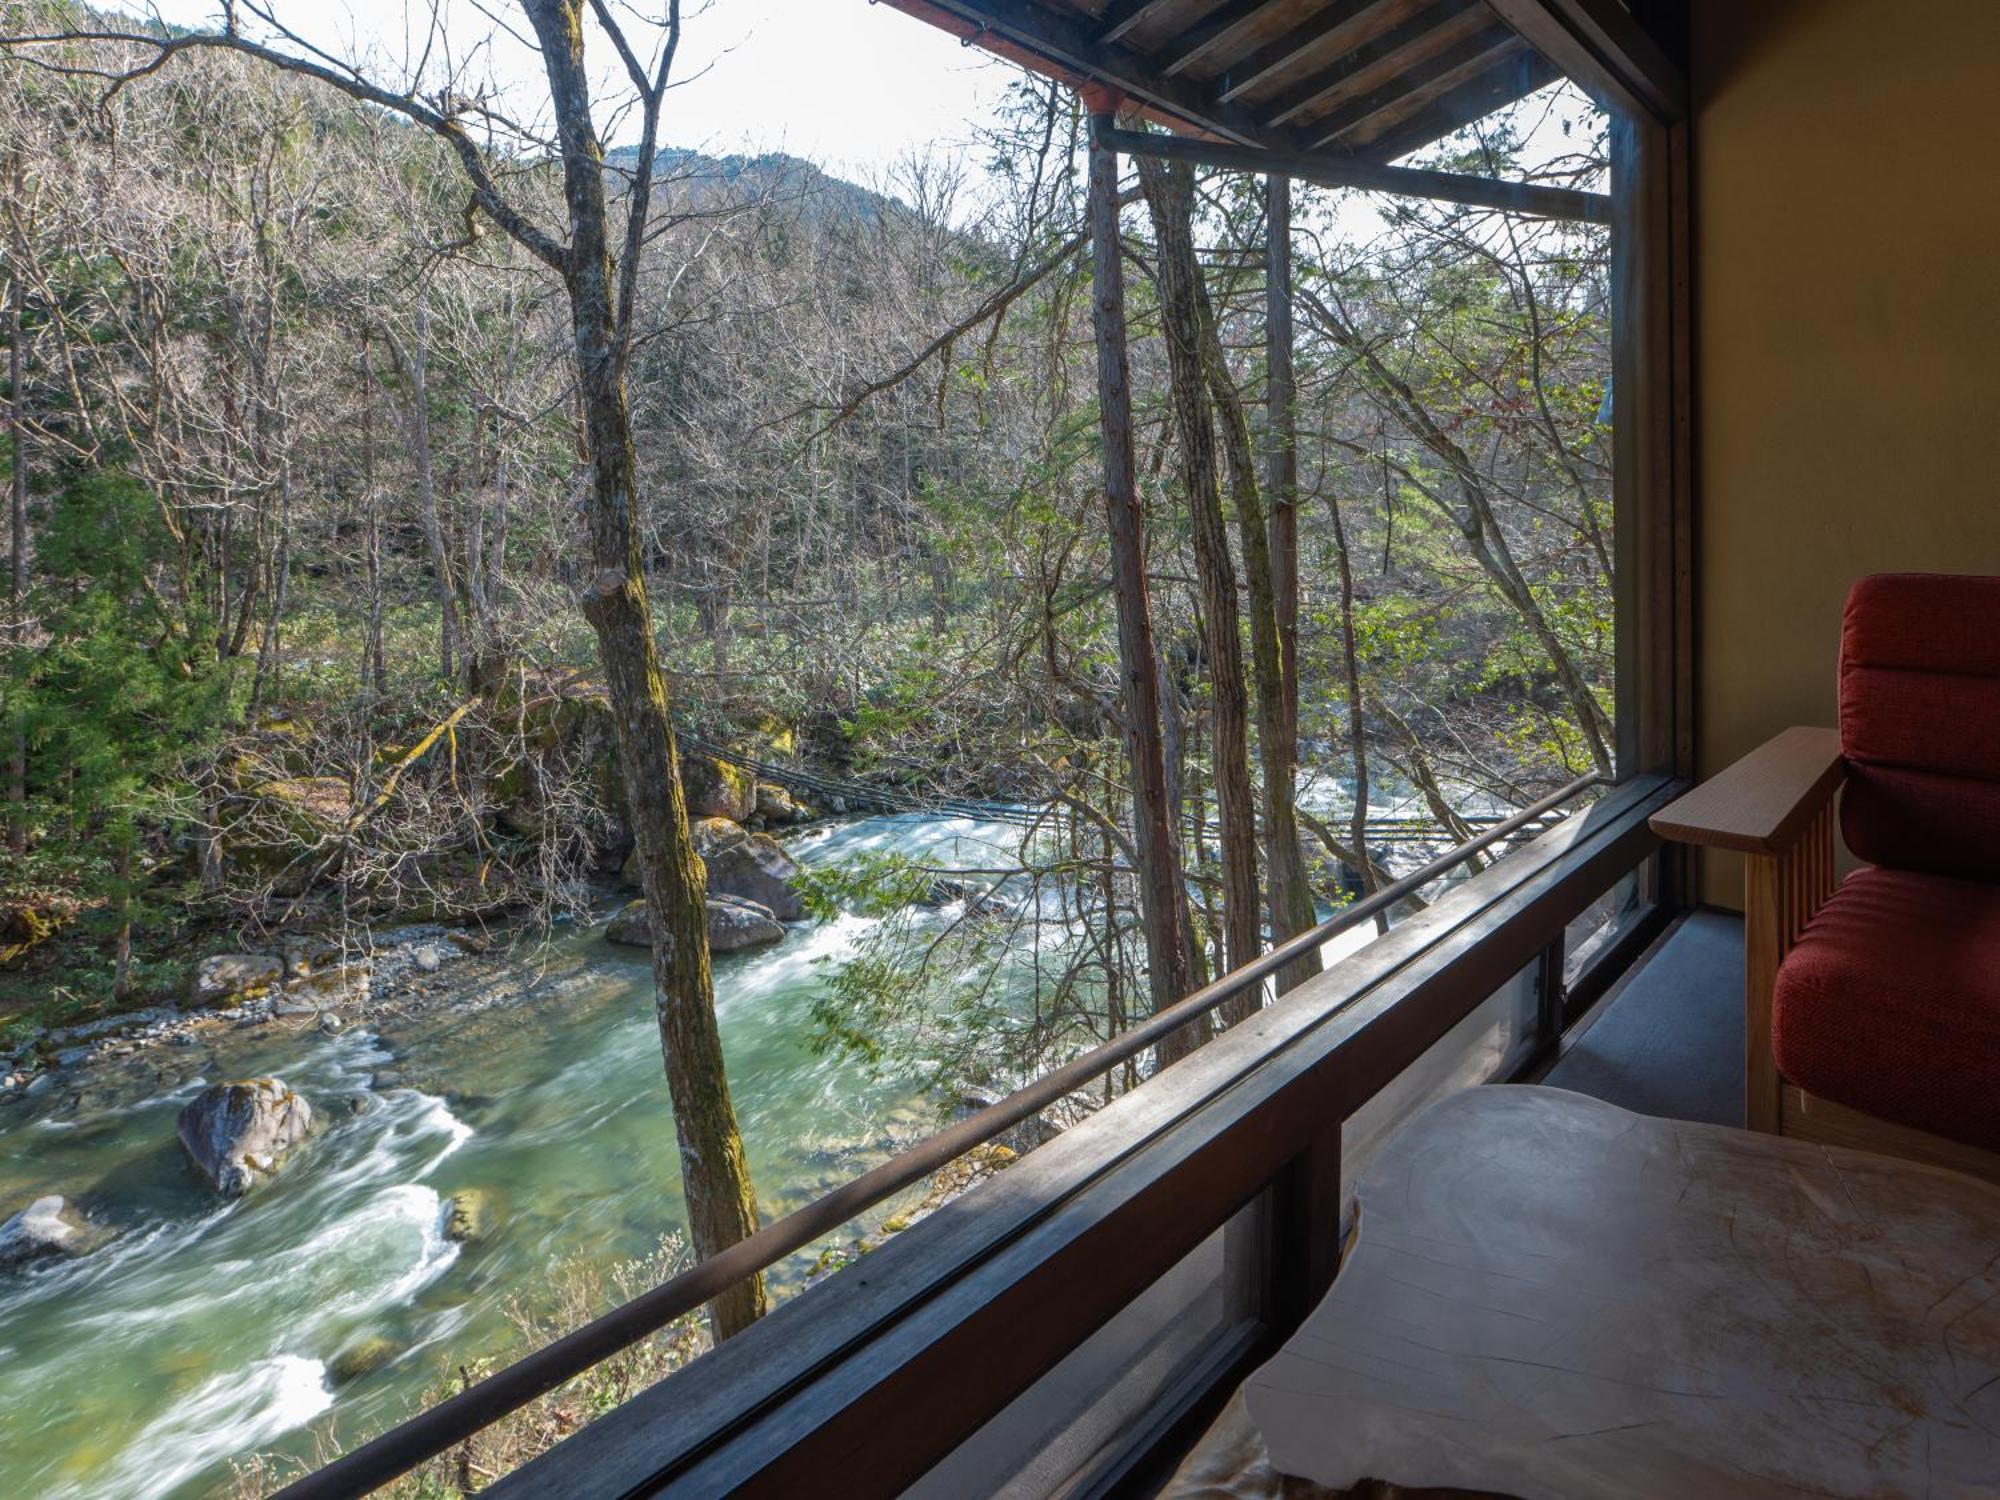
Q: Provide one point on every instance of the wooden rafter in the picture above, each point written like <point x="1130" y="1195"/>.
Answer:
<point x="1212" y="31"/>
<point x="1391" y="69"/>
<point x="1123" y="16"/>
<point x="1459" y="107"/>
<point x="1354" y="124"/>
<point x="1320" y="33"/>
<point x="1605" y="50"/>
<point x="1382" y="63"/>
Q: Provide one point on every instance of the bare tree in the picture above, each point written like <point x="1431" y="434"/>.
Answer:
<point x="601" y="292"/>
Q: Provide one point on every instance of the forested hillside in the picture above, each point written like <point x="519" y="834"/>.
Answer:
<point x="294" y="465"/>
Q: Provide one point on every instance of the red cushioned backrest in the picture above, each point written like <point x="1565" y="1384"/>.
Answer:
<point x="1920" y="723"/>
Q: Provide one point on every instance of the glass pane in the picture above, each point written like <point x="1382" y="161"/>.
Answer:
<point x="1072" y="1423"/>
<point x="1488" y="1044"/>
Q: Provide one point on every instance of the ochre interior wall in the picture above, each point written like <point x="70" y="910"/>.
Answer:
<point x="1847" y="326"/>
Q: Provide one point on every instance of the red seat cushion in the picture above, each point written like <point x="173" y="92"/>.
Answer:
<point x="1890" y="1003"/>
<point x="1920" y="723"/>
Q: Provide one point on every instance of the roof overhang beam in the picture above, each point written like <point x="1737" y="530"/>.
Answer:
<point x="1346" y="172"/>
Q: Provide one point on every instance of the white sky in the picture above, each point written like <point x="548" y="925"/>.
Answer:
<point x="850" y="85"/>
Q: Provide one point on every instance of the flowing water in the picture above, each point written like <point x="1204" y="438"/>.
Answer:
<point x="208" y="1330"/>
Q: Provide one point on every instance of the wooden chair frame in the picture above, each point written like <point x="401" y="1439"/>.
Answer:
<point x="1776" y="808"/>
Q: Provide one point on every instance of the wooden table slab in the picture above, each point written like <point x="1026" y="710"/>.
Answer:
<point x="1554" y="1298"/>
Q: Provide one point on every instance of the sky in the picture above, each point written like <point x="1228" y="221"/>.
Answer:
<point x="848" y="84"/>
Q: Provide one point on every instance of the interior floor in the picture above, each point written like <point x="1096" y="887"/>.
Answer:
<point x="1668" y="1040"/>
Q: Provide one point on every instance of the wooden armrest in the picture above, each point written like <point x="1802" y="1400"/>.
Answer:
<point x="1763" y="803"/>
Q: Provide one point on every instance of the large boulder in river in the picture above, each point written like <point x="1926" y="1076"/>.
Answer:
<point x="716" y="789"/>
<point x="226" y="976"/>
<point x="49" y="1227"/>
<point x="733" y="925"/>
<point x="749" y="866"/>
<point x="238" y="1132"/>
<point x="742" y="865"/>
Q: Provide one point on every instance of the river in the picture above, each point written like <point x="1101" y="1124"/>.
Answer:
<point x="206" y="1331"/>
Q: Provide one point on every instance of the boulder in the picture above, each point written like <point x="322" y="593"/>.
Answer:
<point x="468" y="1215"/>
<point x="229" y="976"/>
<point x="51" y="1226"/>
<point x="749" y="866"/>
<point x="630" y="927"/>
<point x="744" y="865"/>
<point x="733" y="925"/>
<point x="775" y="804"/>
<point x="338" y="984"/>
<point x="364" y="1356"/>
<point x="237" y="1132"/>
<point x="716" y="789"/>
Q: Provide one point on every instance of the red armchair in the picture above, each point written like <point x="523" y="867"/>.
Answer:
<point x="1872" y="1005"/>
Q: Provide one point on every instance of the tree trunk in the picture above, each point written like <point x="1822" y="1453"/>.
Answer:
<point x="1169" y="194"/>
<point x="374" y="666"/>
<point x="1162" y="888"/>
<point x="17" y="572"/>
<point x="415" y="368"/>
<point x="1357" y="732"/>
<point x="1273" y="570"/>
<point x="121" y="942"/>
<point x="721" y="1206"/>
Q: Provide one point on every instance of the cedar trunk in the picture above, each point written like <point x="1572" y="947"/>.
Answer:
<point x="1271" y="559"/>
<point x="17" y="572"/>
<point x="721" y="1207"/>
<point x="1170" y="194"/>
<point x="1162" y="889"/>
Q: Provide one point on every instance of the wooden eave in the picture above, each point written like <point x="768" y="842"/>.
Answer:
<point x="1342" y="81"/>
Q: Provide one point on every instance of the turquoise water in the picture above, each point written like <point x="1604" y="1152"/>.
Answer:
<point x="206" y="1331"/>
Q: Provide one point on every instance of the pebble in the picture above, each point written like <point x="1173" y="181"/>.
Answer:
<point x="329" y="1023"/>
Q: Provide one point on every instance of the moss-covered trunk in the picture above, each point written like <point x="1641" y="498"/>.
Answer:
<point x="716" y="1176"/>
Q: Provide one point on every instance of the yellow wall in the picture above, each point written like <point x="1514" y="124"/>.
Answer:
<point x="1847" y="276"/>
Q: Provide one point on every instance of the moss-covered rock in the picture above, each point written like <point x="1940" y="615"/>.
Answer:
<point x="364" y="1356"/>
<point x="469" y="1215"/>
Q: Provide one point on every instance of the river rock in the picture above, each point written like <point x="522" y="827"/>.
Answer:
<point x="716" y="789"/>
<point x="775" y="804"/>
<point x="749" y="866"/>
<point x="237" y="1132"/>
<point x="733" y="925"/>
<point x="364" y="1356"/>
<point x="469" y="1215"/>
<point x="50" y="1226"/>
<point x="228" y="976"/>
<point x="322" y="989"/>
